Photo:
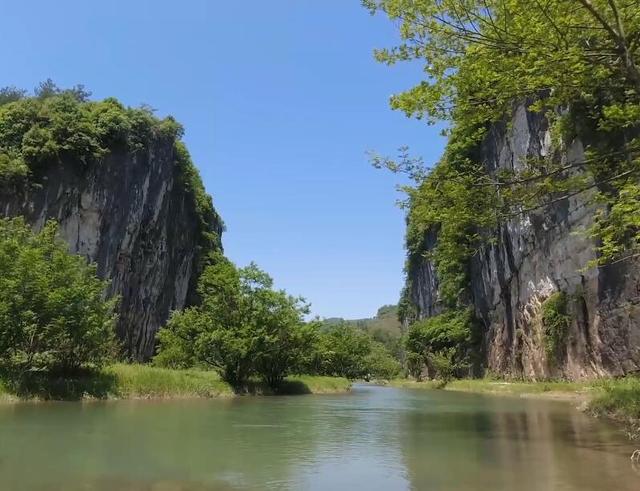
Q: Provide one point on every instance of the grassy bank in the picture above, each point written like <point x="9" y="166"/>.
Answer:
<point x="123" y="381"/>
<point x="619" y="399"/>
<point x="558" y="390"/>
<point x="614" y="398"/>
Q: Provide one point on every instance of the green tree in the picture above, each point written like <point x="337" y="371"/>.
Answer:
<point x="480" y="56"/>
<point x="444" y="342"/>
<point x="380" y="362"/>
<point x="53" y="316"/>
<point x="243" y="327"/>
<point x="11" y="94"/>
<point x="444" y="364"/>
<point x="342" y="351"/>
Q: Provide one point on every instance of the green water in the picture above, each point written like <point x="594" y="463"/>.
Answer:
<point x="372" y="439"/>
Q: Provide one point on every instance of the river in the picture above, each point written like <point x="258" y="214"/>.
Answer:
<point x="374" y="438"/>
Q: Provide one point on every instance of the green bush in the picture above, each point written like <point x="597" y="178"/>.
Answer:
<point x="345" y="350"/>
<point x="556" y="322"/>
<point x="448" y="335"/>
<point x="619" y="398"/>
<point x="53" y="316"/>
<point x="380" y="362"/>
<point x="341" y="351"/>
<point x="445" y="365"/>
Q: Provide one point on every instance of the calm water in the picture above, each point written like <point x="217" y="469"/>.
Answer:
<point x="373" y="439"/>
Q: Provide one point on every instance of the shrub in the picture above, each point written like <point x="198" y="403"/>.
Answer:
<point x="345" y="350"/>
<point x="556" y="322"/>
<point x="53" y="316"/>
<point x="448" y="335"/>
<point x="380" y="362"/>
<point x="444" y="364"/>
<point x="341" y="351"/>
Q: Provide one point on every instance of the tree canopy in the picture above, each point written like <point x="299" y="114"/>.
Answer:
<point x="53" y="315"/>
<point x="243" y="327"/>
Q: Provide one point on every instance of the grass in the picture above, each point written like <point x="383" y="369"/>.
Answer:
<point x="619" y="399"/>
<point x="124" y="381"/>
<point x="321" y="385"/>
<point x="143" y="381"/>
<point x="5" y="393"/>
<point x="504" y="387"/>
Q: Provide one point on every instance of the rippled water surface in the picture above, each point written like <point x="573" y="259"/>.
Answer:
<point x="372" y="439"/>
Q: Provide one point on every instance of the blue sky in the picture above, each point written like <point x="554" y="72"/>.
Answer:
<point x="280" y="102"/>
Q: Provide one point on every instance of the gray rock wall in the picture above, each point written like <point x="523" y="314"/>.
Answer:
<point x="534" y="256"/>
<point x="130" y="215"/>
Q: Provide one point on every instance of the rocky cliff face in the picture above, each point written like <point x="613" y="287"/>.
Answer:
<point x="531" y="258"/>
<point x="133" y="216"/>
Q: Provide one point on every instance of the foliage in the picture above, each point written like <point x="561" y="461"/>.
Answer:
<point x="480" y="56"/>
<point x="342" y="350"/>
<point x="12" y="168"/>
<point x="242" y="327"/>
<point x="385" y="328"/>
<point x="209" y="221"/>
<point x="575" y="61"/>
<point x="382" y="364"/>
<point x="53" y="316"/>
<point x="618" y="398"/>
<point x="345" y="350"/>
<point x="444" y="364"/>
<point x="449" y="202"/>
<point x="11" y="94"/>
<point x="555" y="321"/>
<point x="443" y="341"/>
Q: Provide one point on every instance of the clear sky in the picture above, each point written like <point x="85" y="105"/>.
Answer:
<point x="280" y="101"/>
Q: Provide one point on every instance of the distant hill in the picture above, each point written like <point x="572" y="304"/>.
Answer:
<point x="384" y="324"/>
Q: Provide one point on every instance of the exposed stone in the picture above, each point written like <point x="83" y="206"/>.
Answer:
<point x="532" y="257"/>
<point x="132" y="216"/>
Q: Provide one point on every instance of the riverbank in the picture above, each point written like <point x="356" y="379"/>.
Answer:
<point x="618" y="399"/>
<point x="553" y="390"/>
<point x="123" y="381"/>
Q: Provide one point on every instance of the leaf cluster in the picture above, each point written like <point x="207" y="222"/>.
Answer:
<point x="243" y="327"/>
<point x="53" y="315"/>
<point x="445" y="337"/>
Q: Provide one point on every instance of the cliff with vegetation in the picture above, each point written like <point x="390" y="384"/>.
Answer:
<point x="124" y="191"/>
<point x="541" y="311"/>
<point x="523" y="240"/>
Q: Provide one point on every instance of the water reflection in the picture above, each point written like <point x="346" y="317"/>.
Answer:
<point x="374" y="438"/>
<point x="503" y="443"/>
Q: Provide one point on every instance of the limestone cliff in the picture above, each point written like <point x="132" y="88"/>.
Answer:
<point x="530" y="258"/>
<point x="132" y="215"/>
